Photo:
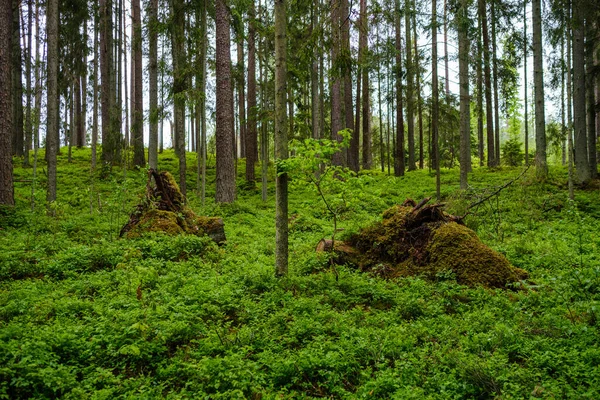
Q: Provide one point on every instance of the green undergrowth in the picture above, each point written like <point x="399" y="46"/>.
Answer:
<point x="84" y="314"/>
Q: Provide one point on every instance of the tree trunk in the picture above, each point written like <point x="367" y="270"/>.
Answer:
<point x="281" y="141"/>
<point x="153" y="83"/>
<point x="28" y="58"/>
<point x="569" y="108"/>
<point x="353" y="151"/>
<point x="137" y="132"/>
<point x="538" y="82"/>
<point x="465" y="101"/>
<point x="6" y="109"/>
<point x="399" y="148"/>
<point x="591" y="97"/>
<point x="17" y="80"/>
<point x="367" y="161"/>
<point x="201" y="82"/>
<point x="111" y="150"/>
<point x="479" y="78"/>
<point x="495" y="83"/>
<point x="225" y="180"/>
<point x="526" y="100"/>
<point x="410" y="97"/>
<point x="336" y="89"/>
<point x="95" y="94"/>
<point x="179" y="86"/>
<point x="252" y="111"/>
<point x="241" y="93"/>
<point x="419" y="100"/>
<point x="491" y="153"/>
<point x="435" y="97"/>
<point x="52" y="101"/>
<point x="314" y="73"/>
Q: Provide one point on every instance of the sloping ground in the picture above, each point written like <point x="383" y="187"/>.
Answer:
<point x="420" y="239"/>
<point x="163" y="209"/>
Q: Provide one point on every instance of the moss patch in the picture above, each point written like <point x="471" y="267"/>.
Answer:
<point x="418" y="239"/>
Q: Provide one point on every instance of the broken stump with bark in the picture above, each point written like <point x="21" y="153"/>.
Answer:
<point x="163" y="209"/>
<point x="421" y="239"/>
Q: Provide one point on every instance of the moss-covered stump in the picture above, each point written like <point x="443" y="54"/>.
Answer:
<point x="420" y="239"/>
<point x="163" y="209"/>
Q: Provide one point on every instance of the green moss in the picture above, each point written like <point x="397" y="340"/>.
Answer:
<point x="457" y="249"/>
<point x="156" y="221"/>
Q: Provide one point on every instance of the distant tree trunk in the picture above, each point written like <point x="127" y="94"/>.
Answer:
<point x="525" y="54"/>
<point x="353" y="151"/>
<point x="179" y="86"/>
<point x="336" y="90"/>
<point x="153" y="83"/>
<point x="495" y="83"/>
<point x="251" y="134"/>
<point x="241" y="93"/>
<point x="38" y="85"/>
<point x="465" y="101"/>
<point x="435" y="97"/>
<point x="314" y="74"/>
<point x="410" y="97"/>
<point x="591" y="95"/>
<point x="84" y="87"/>
<point x="139" y="157"/>
<point x="225" y="181"/>
<point x="95" y="94"/>
<point x="28" y="60"/>
<point x="281" y="141"/>
<point x="201" y="82"/>
<point x="491" y="153"/>
<point x="78" y="117"/>
<point x="419" y="100"/>
<point x="569" y="109"/>
<point x="399" y="148"/>
<point x="17" y="80"/>
<point x="52" y="101"/>
<point x="6" y="111"/>
<point x="538" y="76"/>
<point x="479" y="78"/>
<point x="367" y="161"/>
<point x="381" y="142"/>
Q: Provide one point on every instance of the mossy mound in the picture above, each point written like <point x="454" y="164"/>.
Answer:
<point x="419" y="239"/>
<point x="163" y="209"/>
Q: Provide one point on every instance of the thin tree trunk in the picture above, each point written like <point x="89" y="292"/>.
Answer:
<point x="399" y="143"/>
<point x="28" y="60"/>
<point x="419" y="100"/>
<point x="591" y="96"/>
<point x="538" y="80"/>
<point x="95" y="91"/>
<point x="525" y="56"/>
<point x="281" y="141"/>
<point x="52" y="103"/>
<point x="569" y="108"/>
<point x="17" y="80"/>
<point x="139" y="157"/>
<point x="367" y="160"/>
<point x="252" y="111"/>
<point x="336" y="80"/>
<point x="491" y="153"/>
<point x="84" y="87"/>
<point x="153" y="83"/>
<point x="110" y="132"/>
<point x="225" y="180"/>
<point x="381" y="142"/>
<point x="410" y="97"/>
<point x="435" y="98"/>
<point x="179" y="86"/>
<point x="6" y="108"/>
<point x="353" y="151"/>
<point x="314" y="73"/>
<point x="479" y="74"/>
<point x="241" y="94"/>
<point x="465" y="115"/>
<point x="495" y="83"/>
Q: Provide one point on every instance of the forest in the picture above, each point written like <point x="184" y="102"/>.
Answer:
<point x="299" y="199"/>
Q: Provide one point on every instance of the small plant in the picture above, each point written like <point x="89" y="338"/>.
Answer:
<point x="512" y="153"/>
<point x="313" y="163"/>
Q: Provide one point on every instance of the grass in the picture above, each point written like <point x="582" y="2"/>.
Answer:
<point x="84" y="314"/>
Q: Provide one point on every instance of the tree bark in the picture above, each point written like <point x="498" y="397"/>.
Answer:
<point x="314" y="73"/>
<point x="435" y="97"/>
<point x="52" y="101"/>
<point x="179" y="86"/>
<point x="526" y="100"/>
<point x="153" y="83"/>
<point x="281" y="141"/>
<point x="465" y="101"/>
<point x="251" y="133"/>
<point x="336" y="95"/>
<point x="6" y="114"/>
<point x="582" y="165"/>
<point x="591" y="96"/>
<point x="137" y="132"/>
<point x="225" y="180"/>
<point x="495" y="83"/>
<point x="367" y="160"/>
<point x="419" y="100"/>
<point x="353" y="151"/>
<point x="399" y="148"/>
<point x="17" y="80"/>
<point x="538" y="81"/>
<point x="410" y="97"/>
<point x="241" y="93"/>
<point x="479" y="79"/>
<point x="111" y="135"/>
<point x="491" y="153"/>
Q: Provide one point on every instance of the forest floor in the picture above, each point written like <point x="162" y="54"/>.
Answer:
<point x="84" y="314"/>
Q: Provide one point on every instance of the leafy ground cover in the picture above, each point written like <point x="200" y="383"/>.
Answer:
<point x="84" y="314"/>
